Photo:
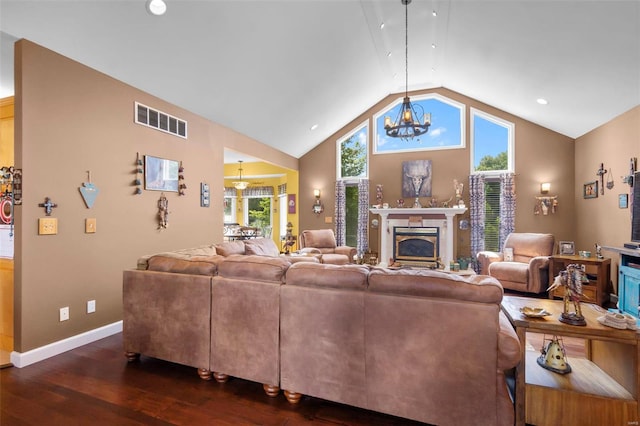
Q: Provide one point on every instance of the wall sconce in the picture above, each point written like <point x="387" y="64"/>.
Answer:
<point x="545" y="187"/>
<point x="317" y="205"/>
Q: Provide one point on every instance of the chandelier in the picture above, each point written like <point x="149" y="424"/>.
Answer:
<point x="241" y="184"/>
<point x="407" y="125"/>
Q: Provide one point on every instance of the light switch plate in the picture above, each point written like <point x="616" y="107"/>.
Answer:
<point x="90" y="225"/>
<point x="47" y="226"/>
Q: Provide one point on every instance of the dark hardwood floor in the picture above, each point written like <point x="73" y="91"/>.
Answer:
<point x="94" y="385"/>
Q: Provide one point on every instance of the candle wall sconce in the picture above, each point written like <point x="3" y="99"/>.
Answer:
<point x="545" y="187"/>
<point x="317" y="207"/>
<point x="628" y="179"/>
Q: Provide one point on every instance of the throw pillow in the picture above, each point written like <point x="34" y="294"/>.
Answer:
<point x="261" y="247"/>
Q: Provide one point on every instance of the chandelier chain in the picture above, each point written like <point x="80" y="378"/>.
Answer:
<point x="406" y="48"/>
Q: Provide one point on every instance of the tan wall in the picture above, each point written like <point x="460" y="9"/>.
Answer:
<point x="6" y="265"/>
<point x="71" y="119"/>
<point x="600" y="220"/>
<point x="541" y="155"/>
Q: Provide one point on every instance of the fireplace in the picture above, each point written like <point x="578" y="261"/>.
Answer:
<point x="418" y="246"/>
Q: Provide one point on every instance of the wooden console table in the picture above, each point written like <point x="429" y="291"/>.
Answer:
<point x="601" y="389"/>
<point x="599" y="271"/>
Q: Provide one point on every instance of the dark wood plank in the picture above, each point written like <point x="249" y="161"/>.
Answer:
<point x="95" y="385"/>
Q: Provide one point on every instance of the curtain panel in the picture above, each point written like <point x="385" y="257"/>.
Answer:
<point x="230" y="191"/>
<point x="477" y="215"/>
<point x="507" y="206"/>
<point x="258" y="191"/>
<point x="340" y="213"/>
<point x="363" y="217"/>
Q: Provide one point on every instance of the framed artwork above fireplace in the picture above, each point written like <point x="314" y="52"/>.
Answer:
<point x="416" y="178"/>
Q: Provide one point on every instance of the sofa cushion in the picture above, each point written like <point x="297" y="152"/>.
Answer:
<point x="230" y="247"/>
<point x="197" y="265"/>
<point x="206" y="250"/>
<point x="428" y="283"/>
<point x="319" y="238"/>
<point x="252" y="267"/>
<point x="261" y="246"/>
<point x="335" y="259"/>
<point x="510" y="271"/>
<point x="326" y="275"/>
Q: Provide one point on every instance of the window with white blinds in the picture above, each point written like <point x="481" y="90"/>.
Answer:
<point x="492" y="214"/>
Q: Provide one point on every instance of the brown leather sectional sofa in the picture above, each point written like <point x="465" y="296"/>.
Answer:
<point x="418" y="344"/>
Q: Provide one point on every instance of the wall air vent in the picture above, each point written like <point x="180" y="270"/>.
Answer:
<point x="159" y="120"/>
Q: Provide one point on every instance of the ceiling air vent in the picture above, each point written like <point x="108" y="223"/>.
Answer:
<point x="159" y="120"/>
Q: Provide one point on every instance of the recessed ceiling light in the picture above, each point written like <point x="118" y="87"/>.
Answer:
<point x="156" y="7"/>
<point x="315" y="126"/>
<point x="382" y="25"/>
<point x="434" y="13"/>
<point x="542" y="101"/>
<point x="388" y="54"/>
<point x="433" y="45"/>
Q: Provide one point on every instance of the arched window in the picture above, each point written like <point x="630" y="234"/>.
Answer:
<point x="446" y="130"/>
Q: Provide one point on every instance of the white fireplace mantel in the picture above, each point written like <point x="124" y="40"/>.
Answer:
<point x="432" y="216"/>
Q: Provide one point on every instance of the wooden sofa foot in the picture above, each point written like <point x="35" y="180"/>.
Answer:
<point x="271" y="390"/>
<point x="292" y="397"/>
<point x="220" y="377"/>
<point x="132" y="356"/>
<point x="204" y="374"/>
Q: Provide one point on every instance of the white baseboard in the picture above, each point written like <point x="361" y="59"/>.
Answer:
<point x="22" y="359"/>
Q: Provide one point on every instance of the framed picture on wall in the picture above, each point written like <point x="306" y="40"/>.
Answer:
<point x="623" y="201"/>
<point x="590" y="190"/>
<point x="160" y="174"/>
<point x="291" y="203"/>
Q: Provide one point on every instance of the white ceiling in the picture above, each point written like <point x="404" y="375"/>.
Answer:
<point x="272" y="69"/>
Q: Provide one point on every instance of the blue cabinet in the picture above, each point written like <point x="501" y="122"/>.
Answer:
<point x="629" y="284"/>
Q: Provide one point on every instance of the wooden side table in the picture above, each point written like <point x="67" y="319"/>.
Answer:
<point x="602" y="389"/>
<point x="599" y="271"/>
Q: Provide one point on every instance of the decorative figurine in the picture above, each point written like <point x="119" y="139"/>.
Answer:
<point x="163" y="212"/>
<point x="379" y="194"/>
<point x="553" y="356"/>
<point x="571" y="279"/>
<point x="599" y="251"/>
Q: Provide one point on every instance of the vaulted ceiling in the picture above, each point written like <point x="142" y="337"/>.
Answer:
<point x="272" y="69"/>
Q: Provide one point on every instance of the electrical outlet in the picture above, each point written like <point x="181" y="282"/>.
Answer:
<point x="91" y="306"/>
<point x="64" y="313"/>
<point x="328" y="219"/>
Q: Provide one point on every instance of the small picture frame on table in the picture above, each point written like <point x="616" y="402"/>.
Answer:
<point x="566" y="248"/>
<point x="623" y="201"/>
<point x="590" y="190"/>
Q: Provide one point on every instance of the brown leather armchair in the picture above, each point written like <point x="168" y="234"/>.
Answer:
<point x="324" y="241"/>
<point x="529" y="270"/>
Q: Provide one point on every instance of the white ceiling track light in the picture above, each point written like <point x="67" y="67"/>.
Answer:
<point x="240" y="184"/>
<point x="407" y="124"/>
<point x="156" y="7"/>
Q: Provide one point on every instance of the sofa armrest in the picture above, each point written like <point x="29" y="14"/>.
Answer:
<point x="486" y="258"/>
<point x="350" y="252"/>
<point x="539" y="273"/>
<point x="509" y="349"/>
